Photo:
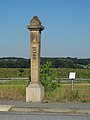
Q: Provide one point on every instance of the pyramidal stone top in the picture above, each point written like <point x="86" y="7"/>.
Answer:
<point x="35" y="24"/>
<point x="35" y="21"/>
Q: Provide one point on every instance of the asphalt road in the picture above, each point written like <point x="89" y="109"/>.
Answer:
<point x="40" y="116"/>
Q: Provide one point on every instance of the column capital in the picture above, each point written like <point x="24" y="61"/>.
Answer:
<point x="35" y="24"/>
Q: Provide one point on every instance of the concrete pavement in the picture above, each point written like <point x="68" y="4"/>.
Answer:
<point x="51" y="107"/>
<point x="5" y="107"/>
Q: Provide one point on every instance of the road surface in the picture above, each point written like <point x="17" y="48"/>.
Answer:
<point x="40" y="116"/>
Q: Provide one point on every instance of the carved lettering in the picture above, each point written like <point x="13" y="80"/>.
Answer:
<point x="34" y="52"/>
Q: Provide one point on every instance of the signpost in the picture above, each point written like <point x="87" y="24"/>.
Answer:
<point x="72" y="77"/>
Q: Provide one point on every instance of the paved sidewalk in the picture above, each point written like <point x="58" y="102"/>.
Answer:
<point x="51" y="107"/>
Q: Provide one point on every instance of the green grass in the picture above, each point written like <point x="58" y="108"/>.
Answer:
<point x="12" y="92"/>
<point x="80" y="73"/>
<point x="64" y="94"/>
<point x="64" y="72"/>
<point x="13" y="72"/>
<point x="16" y="89"/>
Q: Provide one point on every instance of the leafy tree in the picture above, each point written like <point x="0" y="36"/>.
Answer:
<point x="14" y="62"/>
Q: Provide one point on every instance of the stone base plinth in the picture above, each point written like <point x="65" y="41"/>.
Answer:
<point x="34" y="92"/>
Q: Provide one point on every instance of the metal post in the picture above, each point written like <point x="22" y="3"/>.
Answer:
<point x="72" y="87"/>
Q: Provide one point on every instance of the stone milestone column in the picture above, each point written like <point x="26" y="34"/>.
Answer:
<point x="35" y="91"/>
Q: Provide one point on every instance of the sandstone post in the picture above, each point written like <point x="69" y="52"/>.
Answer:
<point x="35" y="91"/>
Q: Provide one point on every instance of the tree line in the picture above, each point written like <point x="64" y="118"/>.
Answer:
<point x="58" y="62"/>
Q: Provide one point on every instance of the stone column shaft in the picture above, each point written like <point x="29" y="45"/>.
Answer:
<point x="35" y="41"/>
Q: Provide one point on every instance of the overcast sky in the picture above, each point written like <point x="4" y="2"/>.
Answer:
<point x="66" y="22"/>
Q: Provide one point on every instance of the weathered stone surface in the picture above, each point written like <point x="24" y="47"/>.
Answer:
<point x="35" y="91"/>
<point x="35" y="21"/>
<point x="35" y="25"/>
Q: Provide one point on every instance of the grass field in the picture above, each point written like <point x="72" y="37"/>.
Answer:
<point x="14" y="72"/>
<point x="17" y="89"/>
<point x="63" y="72"/>
<point x="64" y="94"/>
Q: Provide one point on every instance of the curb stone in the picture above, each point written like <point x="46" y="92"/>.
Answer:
<point x="83" y="111"/>
<point x="44" y="110"/>
<point x="5" y="107"/>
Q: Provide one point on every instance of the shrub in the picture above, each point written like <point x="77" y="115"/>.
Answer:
<point x="48" y="77"/>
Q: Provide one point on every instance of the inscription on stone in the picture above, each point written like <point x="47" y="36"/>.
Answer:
<point x="34" y="41"/>
<point x="34" y="52"/>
